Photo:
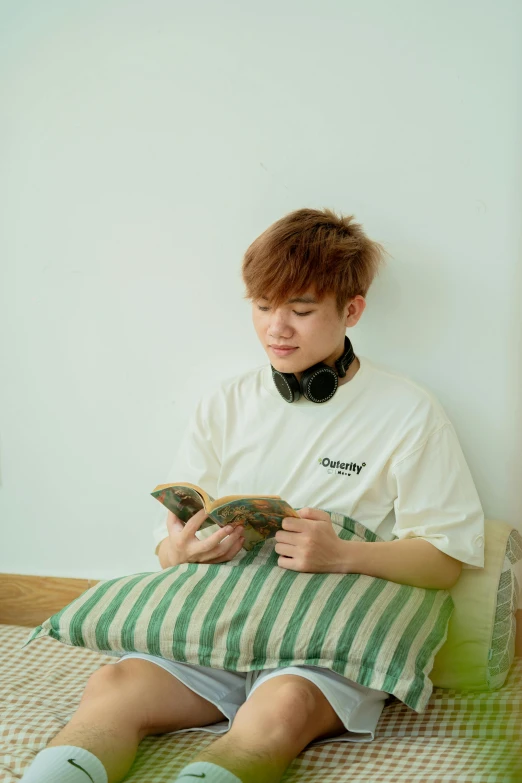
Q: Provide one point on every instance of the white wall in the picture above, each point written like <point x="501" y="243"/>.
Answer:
<point x="144" y="145"/>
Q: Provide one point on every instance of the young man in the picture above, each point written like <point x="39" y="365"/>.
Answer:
<point x="324" y="429"/>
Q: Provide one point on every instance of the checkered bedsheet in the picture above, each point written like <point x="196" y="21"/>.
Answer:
<point x="462" y="737"/>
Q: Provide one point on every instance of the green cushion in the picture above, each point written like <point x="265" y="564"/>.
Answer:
<point x="480" y="645"/>
<point x="249" y="613"/>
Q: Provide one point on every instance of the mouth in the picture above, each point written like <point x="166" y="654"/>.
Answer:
<point x="282" y="351"/>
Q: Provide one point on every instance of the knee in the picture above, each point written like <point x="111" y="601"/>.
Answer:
<point x="113" y="696"/>
<point x="297" y="708"/>
<point x="295" y="700"/>
<point x="286" y="709"/>
<point x="110" y="683"/>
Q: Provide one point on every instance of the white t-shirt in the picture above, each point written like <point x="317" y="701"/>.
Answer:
<point x="381" y="451"/>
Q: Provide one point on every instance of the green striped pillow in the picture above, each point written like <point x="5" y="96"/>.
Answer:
<point x="249" y="613"/>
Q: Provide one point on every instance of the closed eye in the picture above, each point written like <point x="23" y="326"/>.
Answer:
<point x="264" y="309"/>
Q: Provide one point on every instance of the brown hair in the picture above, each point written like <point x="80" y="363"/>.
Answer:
<point x="311" y="248"/>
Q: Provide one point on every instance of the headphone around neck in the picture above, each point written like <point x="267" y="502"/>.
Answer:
<point x="318" y="383"/>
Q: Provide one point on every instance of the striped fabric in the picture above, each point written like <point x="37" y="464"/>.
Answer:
<point x="249" y="613"/>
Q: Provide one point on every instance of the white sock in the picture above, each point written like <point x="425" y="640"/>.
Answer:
<point x="65" y="764"/>
<point x="212" y="772"/>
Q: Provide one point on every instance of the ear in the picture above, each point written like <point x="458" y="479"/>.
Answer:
<point x="354" y="310"/>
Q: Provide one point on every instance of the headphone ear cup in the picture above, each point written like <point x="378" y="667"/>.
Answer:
<point x="287" y="385"/>
<point x="319" y="383"/>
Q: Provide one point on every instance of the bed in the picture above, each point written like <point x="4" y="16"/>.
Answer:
<point x="462" y="737"/>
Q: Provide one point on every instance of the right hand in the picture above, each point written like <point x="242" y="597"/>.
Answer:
<point x="185" y="547"/>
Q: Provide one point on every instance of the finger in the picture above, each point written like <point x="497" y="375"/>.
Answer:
<point x="229" y="539"/>
<point x="315" y="514"/>
<point x="174" y="522"/>
<point x="232" y="552"/>
<point x="294" y="524"/>
<point x="285" y="549"/>
<point x="195" y="521"/>
<point x="287" y="562"/>
<point x="227" y="542"/>
<point x="216" y="538"/>
<point x="176" y="526"/>
<point x="232" y="538"/>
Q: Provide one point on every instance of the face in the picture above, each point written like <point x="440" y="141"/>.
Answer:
<point x="313" y="328"/>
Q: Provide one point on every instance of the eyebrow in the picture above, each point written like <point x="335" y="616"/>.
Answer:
<point x="305" y="299"/>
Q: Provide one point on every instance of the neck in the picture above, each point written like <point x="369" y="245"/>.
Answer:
<point x="352" y="369"/>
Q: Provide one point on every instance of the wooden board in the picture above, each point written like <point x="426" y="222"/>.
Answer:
<point x="29" y="600"/>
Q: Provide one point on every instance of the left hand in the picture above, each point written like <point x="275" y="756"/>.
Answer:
<point x="310" y="544"/>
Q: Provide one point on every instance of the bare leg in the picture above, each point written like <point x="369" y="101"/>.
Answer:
<point x="125" y="702"/>
<point x="102" y="731"/>
<point x="250" y="759"/>
<point x="281" y="717"/>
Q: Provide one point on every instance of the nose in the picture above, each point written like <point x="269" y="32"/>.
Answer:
<point x="278" y="326"/>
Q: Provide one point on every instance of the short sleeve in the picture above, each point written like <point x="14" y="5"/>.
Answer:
<point x="197" y="460"/>
<point x="437" y="499"/>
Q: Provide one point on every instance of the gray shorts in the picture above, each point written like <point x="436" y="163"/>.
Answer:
<point x="357" y="706"/>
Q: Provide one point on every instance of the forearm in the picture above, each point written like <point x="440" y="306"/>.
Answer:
<point x="410" y="561"/>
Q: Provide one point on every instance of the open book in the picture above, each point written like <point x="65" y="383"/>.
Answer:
<point x="261" y="515"/>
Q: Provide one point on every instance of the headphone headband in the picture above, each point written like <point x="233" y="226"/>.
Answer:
<point x="346" y="359"/>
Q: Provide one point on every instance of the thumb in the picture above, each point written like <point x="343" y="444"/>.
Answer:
<point x="314" y="513"/>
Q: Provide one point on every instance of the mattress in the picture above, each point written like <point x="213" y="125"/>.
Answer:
<point x="462" y="737"/>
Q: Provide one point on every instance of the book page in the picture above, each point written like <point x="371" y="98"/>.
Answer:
<point x="184" y="500"/>
<point x="262" y="516"/>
